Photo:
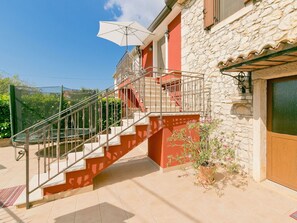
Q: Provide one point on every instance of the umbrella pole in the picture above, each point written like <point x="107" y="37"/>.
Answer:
<point x="126" y="39"/>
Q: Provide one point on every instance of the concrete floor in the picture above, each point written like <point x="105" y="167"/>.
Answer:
<point x="133" y="190"/>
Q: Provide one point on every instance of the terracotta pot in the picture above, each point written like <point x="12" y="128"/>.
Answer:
<point x="206" y="174"/>
<point x="4" y="142"/>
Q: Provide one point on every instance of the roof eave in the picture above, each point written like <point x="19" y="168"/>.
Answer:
<point x="162" y="15"/>
<point x="270" y="55"/>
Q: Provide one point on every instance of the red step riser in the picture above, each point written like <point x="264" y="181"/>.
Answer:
<point x="94" y="166"/>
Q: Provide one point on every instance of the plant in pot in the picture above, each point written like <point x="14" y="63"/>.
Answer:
<point x="205" y="148"/>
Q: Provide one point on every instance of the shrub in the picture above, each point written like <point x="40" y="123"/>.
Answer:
<point x="4" y="117"/>
<point x="5" y="130"/>
<point x="204" y="146"/>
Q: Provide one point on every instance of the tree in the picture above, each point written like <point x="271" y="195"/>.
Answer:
<point x="6" y="81"/>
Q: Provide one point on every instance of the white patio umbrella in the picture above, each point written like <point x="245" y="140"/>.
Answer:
<point x="123" y="33"/>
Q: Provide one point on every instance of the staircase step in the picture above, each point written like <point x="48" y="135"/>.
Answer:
<point x="118" y="129"/>
<point x="97" y="152"/>
<point x="139" y="115"/>
<point x="154" y="94"/>
<point x="113" y="139"/>
<point x="71" y="158"/>
<point x="164" y="103"/>
<point x="102" y="142"/>
<point x="147" y="91"/>
<point x="164" y="109"/>
<point x="37" y="195"/>
<point x="129" y="122"/>
<point x="154" y="90"/>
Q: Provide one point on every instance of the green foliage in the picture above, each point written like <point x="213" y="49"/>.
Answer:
<point x="4" y="116"/>
<point x="5" y="130"/>
<point x="114" y="112"/>
<point x="71" y="97"/>
<point x="38" y="106"/>
<point x="4" y="108"/>
<point x="203" y="145"/>
<point x="6" y="81"/>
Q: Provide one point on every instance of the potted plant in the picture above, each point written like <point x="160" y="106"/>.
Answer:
<point x="207" y="149"/>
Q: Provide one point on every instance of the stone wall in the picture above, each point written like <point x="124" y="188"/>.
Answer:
<point x="268" y="22"/>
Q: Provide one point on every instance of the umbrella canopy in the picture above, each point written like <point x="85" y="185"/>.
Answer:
<point x="123" y="33"/>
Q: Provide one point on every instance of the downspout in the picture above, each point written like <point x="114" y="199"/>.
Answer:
<point x="162" y="15"/>
<point x="166" y="35"/>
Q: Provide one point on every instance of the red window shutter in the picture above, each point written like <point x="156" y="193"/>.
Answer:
<point x="208" y="12"/>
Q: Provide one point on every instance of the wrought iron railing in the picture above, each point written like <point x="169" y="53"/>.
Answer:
<point x="62" y="141"/>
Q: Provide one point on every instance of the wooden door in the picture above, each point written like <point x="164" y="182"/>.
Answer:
<point x="282" y="131"/>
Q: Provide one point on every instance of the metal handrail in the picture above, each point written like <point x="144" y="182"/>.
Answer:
<point x="87" y="122"/>
<point x="80" y="105"/>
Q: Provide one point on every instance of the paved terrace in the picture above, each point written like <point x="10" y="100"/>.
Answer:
<point x="133" y="190"/>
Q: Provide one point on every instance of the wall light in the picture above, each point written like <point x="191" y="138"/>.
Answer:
<point x="243" y="80"/>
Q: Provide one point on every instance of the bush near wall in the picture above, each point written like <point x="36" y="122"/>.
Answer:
<point x="4" y="116"/>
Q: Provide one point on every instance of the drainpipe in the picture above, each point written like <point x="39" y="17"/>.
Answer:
<point x="162" y="15"/>
<point x="170" y="3"/>
<point x="166" y="49"/>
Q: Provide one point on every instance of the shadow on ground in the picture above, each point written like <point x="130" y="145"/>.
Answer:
<point x="124" y="171"/>
<point x="224" y="180"/>
<point x="2" y="167"/>
<point x="105" y="211"/>
<point x="8" y="215"/>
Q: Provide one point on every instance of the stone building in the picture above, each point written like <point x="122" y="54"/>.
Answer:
<point x="240" y="47"/>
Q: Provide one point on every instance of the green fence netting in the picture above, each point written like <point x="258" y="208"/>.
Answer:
<point x="30" y="105"/>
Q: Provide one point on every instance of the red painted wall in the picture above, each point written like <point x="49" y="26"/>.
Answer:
<point x="155" y="143"/>
<point x="159" y="148"/>
<point x="174" y="44"/>
<point x="147" y="57"/>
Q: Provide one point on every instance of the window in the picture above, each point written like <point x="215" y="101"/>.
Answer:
<point x="225" y="8"/>
<point x="283" y="105"/>
<point x="218" y="10"/>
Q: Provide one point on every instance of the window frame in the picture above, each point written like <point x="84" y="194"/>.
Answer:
<point x="211" y="9"/>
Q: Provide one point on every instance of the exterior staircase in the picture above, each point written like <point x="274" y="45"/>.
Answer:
<point x="98" y="131"/>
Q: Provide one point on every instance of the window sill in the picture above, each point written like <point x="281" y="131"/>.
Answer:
<point x="232" y="18"/>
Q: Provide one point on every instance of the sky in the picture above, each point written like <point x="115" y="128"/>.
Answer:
<point x="54" y="42"/>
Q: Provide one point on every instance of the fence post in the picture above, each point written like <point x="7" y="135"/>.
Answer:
<point x="27" y="169"/>
<point x="61" y="100"/>
<point x="107" y="120"/>
<point x="12" y="108"/>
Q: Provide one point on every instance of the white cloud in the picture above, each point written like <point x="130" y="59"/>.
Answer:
<point x="142" y="11"/>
